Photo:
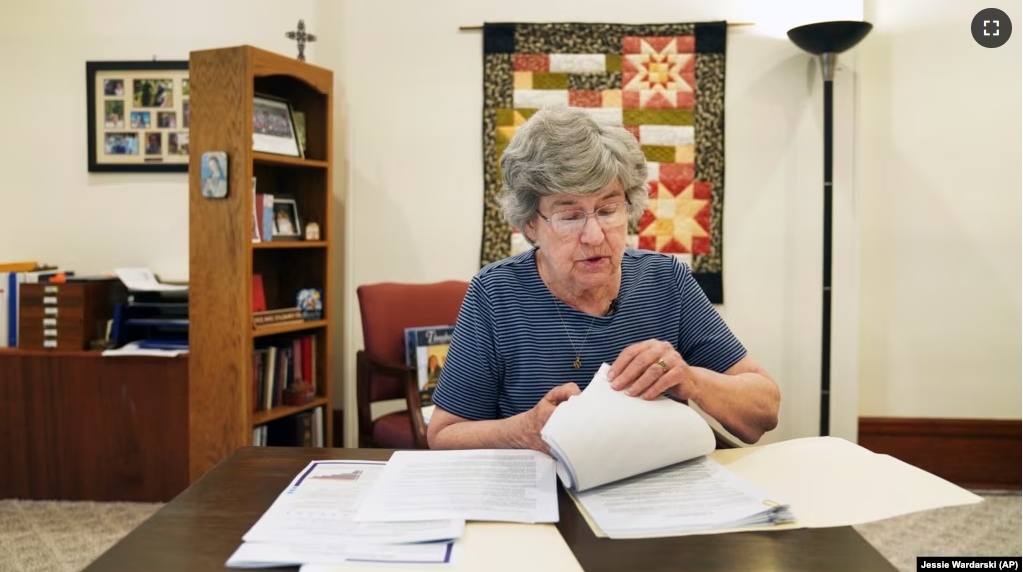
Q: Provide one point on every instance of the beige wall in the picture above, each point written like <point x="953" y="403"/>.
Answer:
<point x="925" y="225"/>
<point x="413" y="97"/>
<point x="939" y="172"/>
<point x="52" y="209"/>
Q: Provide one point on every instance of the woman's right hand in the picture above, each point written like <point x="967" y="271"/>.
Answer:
<point x="533" y="420"/>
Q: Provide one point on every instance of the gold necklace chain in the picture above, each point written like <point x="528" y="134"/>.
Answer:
<point x="578" y="363"/>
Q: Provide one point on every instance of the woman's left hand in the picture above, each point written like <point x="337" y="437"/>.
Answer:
<point x="648" y="369"/>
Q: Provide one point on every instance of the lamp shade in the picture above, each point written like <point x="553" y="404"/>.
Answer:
<point x="829" y="37"/>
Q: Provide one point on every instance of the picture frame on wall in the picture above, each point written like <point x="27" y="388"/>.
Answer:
<point x="137" y="116"/>
<point x="273" y="126"/>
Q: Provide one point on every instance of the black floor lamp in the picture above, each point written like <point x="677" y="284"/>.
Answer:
<point x="827" y="40"/>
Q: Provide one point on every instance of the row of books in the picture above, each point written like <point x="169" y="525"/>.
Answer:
<point x="426" y="349"/>
<point x="284" y="373"/>
<point x="303" y="429"/>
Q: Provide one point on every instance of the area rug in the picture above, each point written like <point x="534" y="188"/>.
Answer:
<point x="665" y="83"/>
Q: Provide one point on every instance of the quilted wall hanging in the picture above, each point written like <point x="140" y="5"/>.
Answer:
<point x="665" y="83"/>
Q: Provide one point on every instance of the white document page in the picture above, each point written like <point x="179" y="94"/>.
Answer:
<point x="143" y="279"/>
<point x="697" y="494"/>
<point x="319" y="506"/>
<point x="603" y="435"/>
<point x="489" y="547"/>
<point x="269" y="554"/>
<point x="832" y="482"/>
<point x="133" y="349"/>
<point x="479" y="484"/>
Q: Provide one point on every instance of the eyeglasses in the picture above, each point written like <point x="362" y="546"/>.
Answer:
<point x="568" y="222"/>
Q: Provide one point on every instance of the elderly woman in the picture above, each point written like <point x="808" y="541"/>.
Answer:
<point x="534" y="328"/>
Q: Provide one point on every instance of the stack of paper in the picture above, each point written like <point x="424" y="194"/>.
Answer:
<point x="483" y="485"/>
<point x="312" y="521"/>
<point x="411" y="512"/>
<point x="698" y="495"/>
<point x="640" y="467"/>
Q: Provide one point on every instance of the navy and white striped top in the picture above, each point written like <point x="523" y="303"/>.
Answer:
<point x="510" y="347"/>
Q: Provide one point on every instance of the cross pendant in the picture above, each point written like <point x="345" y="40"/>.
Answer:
<point x="578" y="363"/>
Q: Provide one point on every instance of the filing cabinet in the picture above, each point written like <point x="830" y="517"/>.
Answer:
<point x="63" y="316"/>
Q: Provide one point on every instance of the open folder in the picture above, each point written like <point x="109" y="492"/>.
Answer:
<point x="640" y="467"/>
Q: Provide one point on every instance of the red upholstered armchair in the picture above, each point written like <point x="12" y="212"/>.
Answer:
<point x="381" y="374"/>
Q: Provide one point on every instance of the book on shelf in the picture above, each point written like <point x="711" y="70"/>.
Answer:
<point x="426" y="348"/>
<point x="626" y="460"/>
<point x="284" y="373"/>
<point x="303" y="429"/>
<point x="264" y="211"/>
<point x="257" y="215"/>
<point x="258" y="294"/>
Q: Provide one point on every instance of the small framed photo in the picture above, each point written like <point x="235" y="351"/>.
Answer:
<point x="287" y="225"/>
<point x="273" y="127"/>
<point x="214" y="174"/>
<point x="137" y="116"/>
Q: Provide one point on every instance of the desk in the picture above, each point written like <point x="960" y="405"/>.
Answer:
<point x="204" y="525"/>
<point x="75" y="425"/>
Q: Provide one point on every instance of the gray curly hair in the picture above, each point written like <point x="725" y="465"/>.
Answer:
<point x="562" y="150"/>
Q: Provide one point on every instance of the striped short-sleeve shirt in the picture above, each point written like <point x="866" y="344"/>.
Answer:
<point x="514" y="341"/>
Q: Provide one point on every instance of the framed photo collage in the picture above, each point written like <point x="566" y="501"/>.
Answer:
<point x="138" y="116"/>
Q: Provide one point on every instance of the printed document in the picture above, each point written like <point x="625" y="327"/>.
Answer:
<point x="143" y="279"/>
<point x="696" y="495"/>
<point x="640" y="468"/>
<point x="269" y="554"/>
<point x="481" y="484"/>
<point x="603" y="435"/>
<point x="319" y="505"/>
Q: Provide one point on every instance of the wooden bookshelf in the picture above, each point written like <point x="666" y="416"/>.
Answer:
<point x="268" y="159"/>
<point x="288" y="328"/>
<point x="223" y="258"/>
<point x="291" y="244"/>
<point x="285" y="410"/>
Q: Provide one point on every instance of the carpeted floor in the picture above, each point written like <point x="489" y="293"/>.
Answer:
<point x="51" y="536"/>
<point x="45" y="536"/>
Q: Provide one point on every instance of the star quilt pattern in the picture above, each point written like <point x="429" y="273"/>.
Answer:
<point x="664" y="83"/>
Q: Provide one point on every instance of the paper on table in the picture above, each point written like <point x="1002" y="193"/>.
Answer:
<point x="133" y="349"/>
<point x="478" y="484"/>
<point x="319" y="505"/>
<point x="696" y="495"/>
<point x="832" y="482"/>
<point x="490" y="546"/>
<point x="603" y="435"/>
<point x="143" y="279"/>
<point x="829" y="481"/>
<point x="273" y="554"/>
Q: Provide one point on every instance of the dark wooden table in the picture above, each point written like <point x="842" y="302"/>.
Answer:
<point x="204" y="525"/>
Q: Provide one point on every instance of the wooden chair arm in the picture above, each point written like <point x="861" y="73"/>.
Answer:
<point x="369" y="366"/>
